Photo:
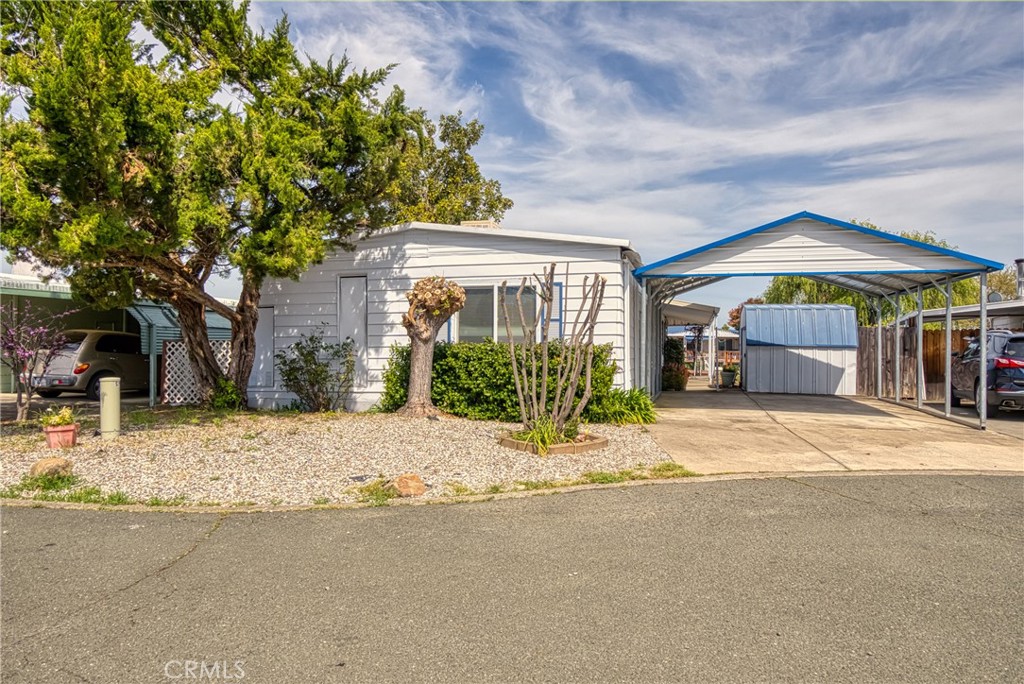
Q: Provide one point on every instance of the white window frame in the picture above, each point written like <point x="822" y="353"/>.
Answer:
<point x="453" y="322"/>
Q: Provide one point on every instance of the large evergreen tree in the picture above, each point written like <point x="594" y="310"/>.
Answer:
<point x="129" y="177"/>
<point x="441" y="182"/>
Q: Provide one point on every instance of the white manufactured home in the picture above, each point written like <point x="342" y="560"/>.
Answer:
<point x="361" y="295"/>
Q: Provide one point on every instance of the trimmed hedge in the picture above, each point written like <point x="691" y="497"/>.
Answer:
<point x="474" y="380"/>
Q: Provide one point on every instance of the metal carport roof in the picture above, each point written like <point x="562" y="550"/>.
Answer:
<point x="876" y="264"/>
<point x="679" y="312"/>
<point x="854" y="257"/>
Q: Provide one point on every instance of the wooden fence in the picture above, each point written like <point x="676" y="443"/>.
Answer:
<point x="934" y="361"/>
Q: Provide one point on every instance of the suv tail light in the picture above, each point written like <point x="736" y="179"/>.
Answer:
<point x="1003" y="362"/>
<point x="80" y="368"/>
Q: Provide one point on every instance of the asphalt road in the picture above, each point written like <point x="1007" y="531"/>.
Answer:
<point x="914" y="578"/>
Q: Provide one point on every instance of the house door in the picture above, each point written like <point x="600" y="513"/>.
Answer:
<point x="262" y="375"/>
<point x="352" y="323"/>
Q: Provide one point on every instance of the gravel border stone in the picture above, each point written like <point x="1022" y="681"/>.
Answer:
<point x="307" y="459"/>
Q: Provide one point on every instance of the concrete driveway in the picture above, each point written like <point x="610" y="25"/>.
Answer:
<point x="734" y="432"/>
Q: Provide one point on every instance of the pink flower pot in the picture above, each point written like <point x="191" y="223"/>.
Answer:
<point x="61" y="436"/>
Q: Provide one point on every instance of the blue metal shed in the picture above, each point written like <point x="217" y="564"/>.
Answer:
<point x="799" y="349"/>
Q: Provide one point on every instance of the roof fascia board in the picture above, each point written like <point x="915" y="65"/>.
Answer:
<point x="523" y="234"/>
<point x="37" y="294"/>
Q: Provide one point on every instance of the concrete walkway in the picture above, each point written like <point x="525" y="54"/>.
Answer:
<point x="733" y="432"/>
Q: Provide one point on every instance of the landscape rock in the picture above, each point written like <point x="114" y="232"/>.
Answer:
<point x="50" y="467"/>
<point x="407" y="484"/>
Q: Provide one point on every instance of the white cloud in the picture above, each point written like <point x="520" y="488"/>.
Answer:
<point x="909" y="115"/>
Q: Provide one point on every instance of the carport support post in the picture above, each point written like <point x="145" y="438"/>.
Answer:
<point x="949" y="344"/>
<point x="983" y="359"/>
<point x="921" y="389"/>
<point x="878" y="347"/>
<point x="897" y="379"/>
<point x="152" y="365"/>
<point x="646" y="360"/>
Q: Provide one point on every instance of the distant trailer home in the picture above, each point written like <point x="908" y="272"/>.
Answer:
<point x="361" y="295"/>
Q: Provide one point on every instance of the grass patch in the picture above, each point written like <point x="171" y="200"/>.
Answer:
<point x="142" y="418"/>
<point x="494" y="489"/>
<point x="604" y="477"/>
<point x="457" y="489"/>
<point x="321" y="501"/>
<point x="531" y="485"/>
<point x="174" y="501"/>
<point x="62" y="488"/>
<point x="376" y="493"/>
<point x="119" y="499"/>
<point x="668" y="469"/>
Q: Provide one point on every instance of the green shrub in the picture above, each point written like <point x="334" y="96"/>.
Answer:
<point x="623" y="407"/>
<point x="318" y="372"/>
<point x="226" y="396"/>
<point x="474" y="380"/>
<point x="674" y="376"/>
<point x="675" y="350"/>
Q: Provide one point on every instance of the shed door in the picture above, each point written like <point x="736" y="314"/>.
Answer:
<point x="352" y="323"/>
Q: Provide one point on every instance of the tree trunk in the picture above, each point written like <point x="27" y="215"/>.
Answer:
<point x="421" y="365"/>
<point x="192" y="317"/>
<point x="243" y="336"/>
<point x="24" y="401"/>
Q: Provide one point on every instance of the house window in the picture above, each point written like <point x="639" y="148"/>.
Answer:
<point x="476" y="319"/>
<point x="481" y="318"/>
<point x="529" y="310"/>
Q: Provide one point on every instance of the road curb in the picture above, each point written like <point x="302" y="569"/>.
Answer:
<point x="483" y="498"/>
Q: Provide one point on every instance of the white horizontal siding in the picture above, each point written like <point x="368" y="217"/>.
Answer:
<point x="392" y="263"/>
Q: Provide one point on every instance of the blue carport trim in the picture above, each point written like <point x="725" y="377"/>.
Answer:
<point x="802" y="273"/>
<point x="988" y="265"/>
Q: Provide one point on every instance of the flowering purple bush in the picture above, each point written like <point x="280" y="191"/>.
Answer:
<point x="30" y="338"/>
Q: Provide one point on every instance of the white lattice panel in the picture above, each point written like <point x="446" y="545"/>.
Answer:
<point x="178" y="381"/>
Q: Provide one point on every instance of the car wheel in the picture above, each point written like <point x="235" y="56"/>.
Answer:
<point x="953" y="399"/>
<point x="990" y="410"/>
<point x="49" y="394"/>
<point x="92" y="391"/>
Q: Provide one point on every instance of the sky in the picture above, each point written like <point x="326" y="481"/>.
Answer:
<point x="677" y="124"/>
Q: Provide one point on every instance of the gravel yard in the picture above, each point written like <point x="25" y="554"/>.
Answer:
<point x="305" y="459"/>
